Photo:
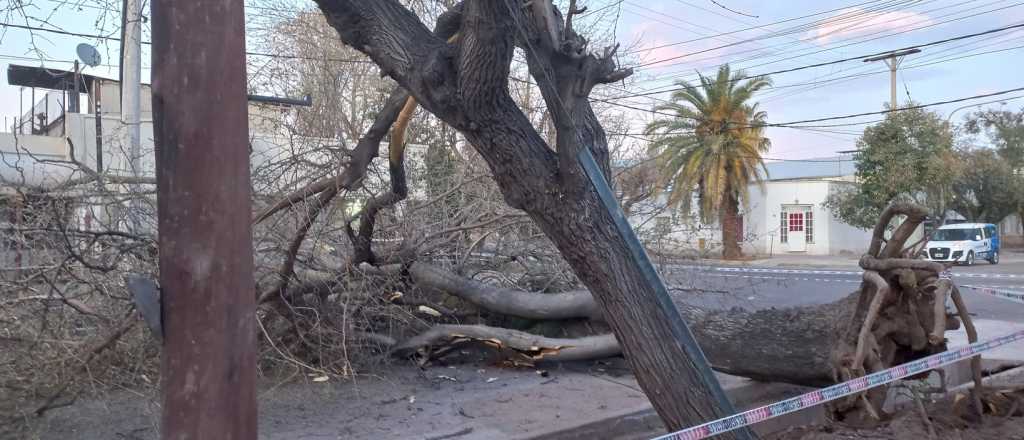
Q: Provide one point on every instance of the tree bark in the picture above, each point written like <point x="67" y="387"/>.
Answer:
<point x="730" y="227"/>
<point x="784" y="345"/>
<point x="794" y="345"/>
<point x="466" y="86"/>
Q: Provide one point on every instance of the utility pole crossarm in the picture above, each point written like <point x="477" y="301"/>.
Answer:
<point x="892" y="60"/>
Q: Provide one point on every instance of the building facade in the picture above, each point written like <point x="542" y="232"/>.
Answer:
<point x="786" y="216"/>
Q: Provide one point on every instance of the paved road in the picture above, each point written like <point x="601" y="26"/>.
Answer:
<point x="756" y="287"/>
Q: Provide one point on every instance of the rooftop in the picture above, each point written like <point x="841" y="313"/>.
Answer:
<point x="816" y="168"/>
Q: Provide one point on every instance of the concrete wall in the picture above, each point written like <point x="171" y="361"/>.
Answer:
<point x="810" y="194"/>
<point x="110" y="99"/>
<point x="843" y="238"/>
<point x="1011" y="229"/>
<point x="81" y="129"/>
<point x="20" y="157"/>
<point x="761" y="223"/>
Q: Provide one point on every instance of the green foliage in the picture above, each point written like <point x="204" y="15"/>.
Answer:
<point x="1005" y="129"/>
<point x="713" y="142"/>
<point x="908" y="156"/>
<point x="988" y="190"/>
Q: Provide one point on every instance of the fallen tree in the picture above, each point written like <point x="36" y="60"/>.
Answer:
<point x="460" y="74"/>
<point x="897" y="315"/>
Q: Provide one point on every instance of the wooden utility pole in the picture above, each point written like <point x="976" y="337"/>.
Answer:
<point x="204" y="216"/>
<point x="892" y="60"/>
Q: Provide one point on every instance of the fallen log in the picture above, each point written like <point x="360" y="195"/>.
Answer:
<point x="531" y="348"/>
<point x="784" y="345"/>
<point x="897" y="315"/>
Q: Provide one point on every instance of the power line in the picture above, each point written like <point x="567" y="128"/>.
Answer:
<point x="931" y="58"/>
<point x="773" y="159"/>
<point x="109" y="38"/>
<point x="792" y="124"/>
<point x="733" y="10"/>
<point x="754" y="27"/>
<point x="862" y="41"/>
<point x="848" y="42"/>
<point x="843" y="60"/>
<point x="797" y="29"/>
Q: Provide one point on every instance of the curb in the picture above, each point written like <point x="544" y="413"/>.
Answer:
<point x="637" y="425"/>
<point x="645" y="424"/>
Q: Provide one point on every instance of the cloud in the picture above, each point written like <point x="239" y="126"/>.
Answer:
<point x="659" y="48"/>
<point x="853" y="22"/>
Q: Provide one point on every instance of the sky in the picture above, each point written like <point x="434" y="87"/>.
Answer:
<point x="670" y="40"/>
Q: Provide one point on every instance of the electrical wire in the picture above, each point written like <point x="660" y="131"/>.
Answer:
<point x="110" y="38"/>
<point x="848" y="42"/>
<point x="792" y="124"/>
<point x="843" y="60"/>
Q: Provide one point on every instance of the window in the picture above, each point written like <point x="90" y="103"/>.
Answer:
<point x="783" y="229"/>
<point x="952" y="235"/>
<point x="796" y="222"/>
<point x="809" y="225"/>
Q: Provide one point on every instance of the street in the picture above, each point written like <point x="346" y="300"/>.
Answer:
<point x="726" y="286"/>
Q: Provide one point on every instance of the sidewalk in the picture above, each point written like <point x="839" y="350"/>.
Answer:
<point x="1010" y="262"/>
<point x="464" y="403"/>
<point x="990" y="328"/>
<point x="572" y="402"/>
<point x="794" y="260"/>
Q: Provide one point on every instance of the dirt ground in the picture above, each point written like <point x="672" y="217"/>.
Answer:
<point x="947" y="419"/>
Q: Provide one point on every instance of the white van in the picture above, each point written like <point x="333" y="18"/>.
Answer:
<point x="964" y="243"/>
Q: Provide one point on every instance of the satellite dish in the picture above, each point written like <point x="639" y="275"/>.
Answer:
<point x="88" y="54"/>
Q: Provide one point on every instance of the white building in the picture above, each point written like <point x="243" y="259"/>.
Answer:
<point x="56" y="141"/>
<point x="787" y="217"/>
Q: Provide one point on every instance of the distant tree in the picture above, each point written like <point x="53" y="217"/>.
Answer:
<point x="712" y="145"/>
<point x="986" y="190"/>
<point x="907" y="157"/>
<point x="1005" y="130"/>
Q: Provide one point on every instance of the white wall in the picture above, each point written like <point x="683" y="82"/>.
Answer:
<point x="761" y="221"/>
<point x="846" y="239"/>
<point x="811" y="193"/>
<point x="110" y="99"/>
<point x="1012" y="230"/>
<point x="81" y="129"/>
<point x="20" y="157"/>
<point x="831" y="236"/>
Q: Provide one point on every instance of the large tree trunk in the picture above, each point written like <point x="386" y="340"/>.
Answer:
<point x="784" y="345"/>
<point x="793" y="345"/>
<point x="466" y="85"/>
<point x="730" y="227"/>
<point x="896" y="316"/>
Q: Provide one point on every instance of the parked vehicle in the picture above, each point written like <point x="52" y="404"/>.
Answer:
<point x="964" y="243"/>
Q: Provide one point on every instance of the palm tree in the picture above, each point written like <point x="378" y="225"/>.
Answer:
<point x="712" y="144"/>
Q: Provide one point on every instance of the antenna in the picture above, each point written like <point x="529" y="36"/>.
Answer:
<point x="88" y="54"/>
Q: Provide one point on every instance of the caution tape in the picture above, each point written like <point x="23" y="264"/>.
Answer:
<point x="1009" y="295"/>
<point x="860" y="384"/>
<point x="838" y="391"/>
<point x="751" y="269"/>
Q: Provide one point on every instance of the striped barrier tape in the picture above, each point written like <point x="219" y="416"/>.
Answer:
<point x="838" y="391"/>
<point x="822" y="271"/>
<point x="1009" y="295"/>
